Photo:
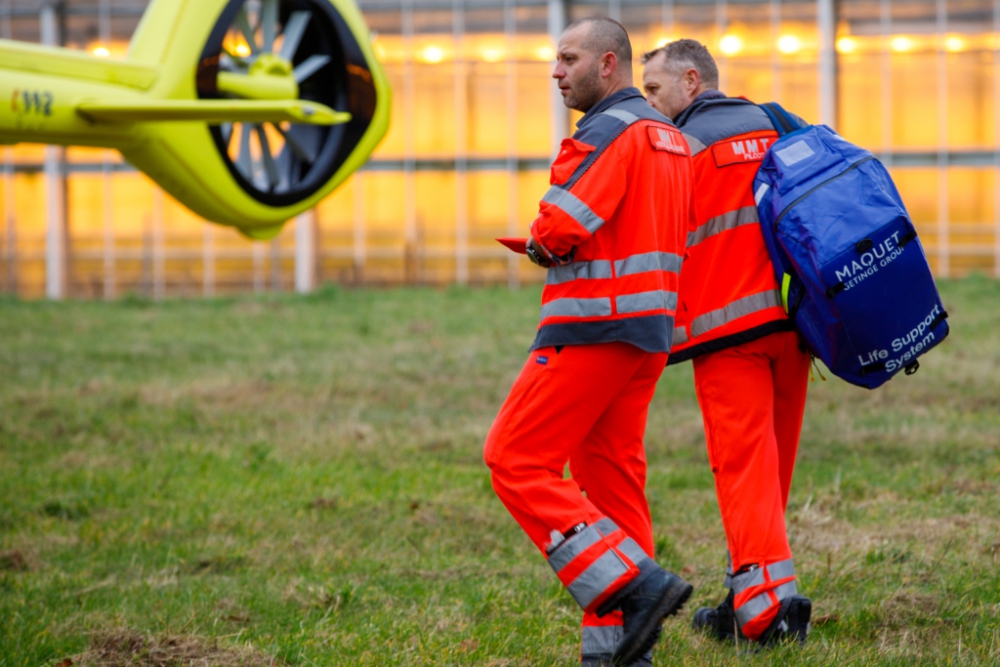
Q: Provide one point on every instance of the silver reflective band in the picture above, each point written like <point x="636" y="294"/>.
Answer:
<point x="680" y="336"/>
<point x="593" y="270"/>
<point x="577" y="308"/>
<point x="600" y="638"/>
<point x="722" y="223"/>
<point x="574" y="208"/>
<point x="597" y="578"/>
<point x="781" y="570"/>
<point x="625" y="116"/>
<point x="786" y="590"/>
<point x="753" y="608"/>
<point x="735" y="310"/>
<point x="694" y="144"/>
<point x="632" y="551"/>
<point x="754" y="577"/>
<point x="573" y="547"/>
<point x="606" y="527"/>
<point x="648" y="261"/>
<point x="654" y="300"/>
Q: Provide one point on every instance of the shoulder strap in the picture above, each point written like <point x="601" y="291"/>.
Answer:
<point x="783" y="121"/>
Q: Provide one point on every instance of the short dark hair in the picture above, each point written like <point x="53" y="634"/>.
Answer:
<point x="605" y="35"/>
<point x="689" y="53"/>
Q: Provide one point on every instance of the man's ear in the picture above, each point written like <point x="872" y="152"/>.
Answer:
<point x="609" y="62"/>
<point x="692" y="80"/>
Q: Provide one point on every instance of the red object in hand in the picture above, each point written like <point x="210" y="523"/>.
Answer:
<point x="515" y="244"/>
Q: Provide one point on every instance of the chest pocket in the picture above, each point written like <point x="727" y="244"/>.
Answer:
<point x="571" y="154"/>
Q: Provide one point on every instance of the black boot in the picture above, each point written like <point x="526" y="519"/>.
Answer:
<point x="658" y="595"/>
<point x="791" y="623"/>
<point x="719" y="622"/>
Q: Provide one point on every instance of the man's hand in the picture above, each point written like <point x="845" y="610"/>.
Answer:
<point x="537" y="255"/>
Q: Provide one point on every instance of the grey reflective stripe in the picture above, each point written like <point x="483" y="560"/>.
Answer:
<point x="606" y="527"/>
<point x="754" y="577"/>
<point x="654" y="300"/>
<point x="600" y="638"/>
<point x="573" y="547"/>
<point x="786" y="590"/>
<point x="648" y="261"/>
<point x="680" y="337"/>
<point x="597" y="578"/>
<point x="630" y="548"/>
<point x="753" y="608"/>
<point x="574" y="208"/>
<point x="626" y="117"/>
<point x="593" y="270"/>
<point x="735" y="310"/>
<point x="577" y="308"/>
<point x="781" y="570"/>
<point x="721" y="223"/>
<point x="694" y="143"/>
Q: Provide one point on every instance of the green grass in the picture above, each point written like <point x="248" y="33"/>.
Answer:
<point x="304" y="475"/>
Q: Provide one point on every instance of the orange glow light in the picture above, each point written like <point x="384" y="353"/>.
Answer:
<point x="432" y="54"/>
<point x="789" y="44"/>
<point x="902" y="43"/>
<point x="954" y="43"/>
<point x="730" y="45"/>
<point x="545" y="53"/>
<point x="847" y="45"/>
<point x="100" y="51"/>
<point x="492" y="54"/>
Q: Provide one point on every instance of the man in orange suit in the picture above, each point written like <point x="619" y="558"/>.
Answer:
<point x="611" y="231"/>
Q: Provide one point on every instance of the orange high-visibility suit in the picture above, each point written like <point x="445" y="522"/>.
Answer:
<point x="607" y="314"/>
<point x="750" y="372"/>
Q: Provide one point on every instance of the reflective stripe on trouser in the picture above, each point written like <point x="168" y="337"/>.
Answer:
<point x="761" y="591"/>
<point x="752" y="397"/>
<point x="600" y="636"/>
<point x="595" y="562"/>
<point x="586" y="404"/>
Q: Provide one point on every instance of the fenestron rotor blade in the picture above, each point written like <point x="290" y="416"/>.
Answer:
<point x="296" y="146"/>
<point x="211" y="111"/>
<point x="294" y="29"/>
<point x="243" y="23"/>
<point x="309" y="66"/>
<point x="244" y="162"/>
<point x="269" y="23"/>
<point x="227" y="132"/>
<point x="265" y="151"/>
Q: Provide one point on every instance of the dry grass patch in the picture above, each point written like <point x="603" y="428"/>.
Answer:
<point x="129" y="648"/>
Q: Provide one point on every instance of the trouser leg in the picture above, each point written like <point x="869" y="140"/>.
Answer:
<point x="791" y="380"/>
<point x="736" y="391"/>
<point x="610" y="467"/>
<point x="551" y="410"/>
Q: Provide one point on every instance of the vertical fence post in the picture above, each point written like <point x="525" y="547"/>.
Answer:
<point x="461" y="75"/>
<point x="943" y="240"/>
<point x="108" y="223"/>
<point x="208" y="260"/>
<point x="885" y="80"/>
<point x="159" y="249"/>
<point x="10" y="220"/>
<point x="55" y="185"/>
<point x="412" y="250"/>
<point x="559" y="119"/>
<point x="826" y="18"/>
<point x="996" y="140"/>
<point x="360" y="241"/>
<point x="305" y="252"/>
<point x="721" y="25"/>
<point x="510" y="86"/>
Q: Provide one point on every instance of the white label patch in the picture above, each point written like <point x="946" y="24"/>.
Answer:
<point x="797" y="152"/>
<point x="761" y="191"/>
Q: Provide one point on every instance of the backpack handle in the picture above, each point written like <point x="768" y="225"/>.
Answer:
<point x="783" y="121"/>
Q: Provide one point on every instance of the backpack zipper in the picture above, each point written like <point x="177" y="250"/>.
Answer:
<point x="817" y="187"/>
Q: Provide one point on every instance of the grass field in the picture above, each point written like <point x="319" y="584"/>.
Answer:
<point x="300" y="480"/>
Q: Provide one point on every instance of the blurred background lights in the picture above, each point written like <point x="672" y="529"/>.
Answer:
<point x="789" y="44"/>
<point x="847" y="45"/>
<point x="100" y="51"/>
<point x="432" y="54"/>
<point x="545" y="53"/>
<point x="954" y="43"/>
<point x="730" y="45"/>
<point x="492" y="54"/>
<point x="902" y="43"/>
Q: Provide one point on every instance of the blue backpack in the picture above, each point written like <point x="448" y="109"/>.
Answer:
<point x="854" y="277"/>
